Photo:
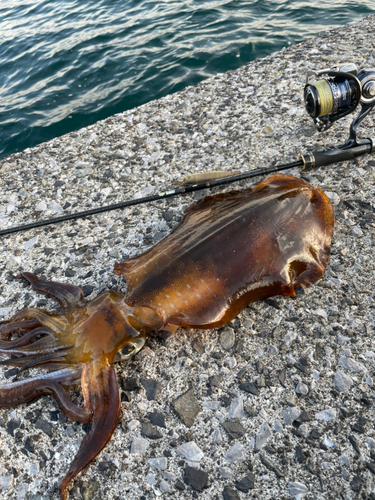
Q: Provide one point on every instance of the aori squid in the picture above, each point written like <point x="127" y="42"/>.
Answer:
<point x="228" y="251"/>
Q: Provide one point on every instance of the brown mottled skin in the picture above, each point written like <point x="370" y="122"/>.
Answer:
<point x="228" y="251"/>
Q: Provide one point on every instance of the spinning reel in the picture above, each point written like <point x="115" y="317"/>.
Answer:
<point x="338" y="94"/>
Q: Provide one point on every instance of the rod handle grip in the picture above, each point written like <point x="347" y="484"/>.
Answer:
<point x="317" y="159"/>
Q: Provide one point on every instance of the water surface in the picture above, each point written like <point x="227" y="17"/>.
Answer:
<point x="67" y="64"/>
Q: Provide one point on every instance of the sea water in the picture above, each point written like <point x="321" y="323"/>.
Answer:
<point x="65" y="64"/>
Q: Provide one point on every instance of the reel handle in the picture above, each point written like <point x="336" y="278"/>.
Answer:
<point x="317" y="159"/>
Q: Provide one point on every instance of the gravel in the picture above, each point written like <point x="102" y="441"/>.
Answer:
<point x="229" y="391"/>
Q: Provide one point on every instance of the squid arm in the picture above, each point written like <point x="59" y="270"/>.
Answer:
<point x="102" y="398"/>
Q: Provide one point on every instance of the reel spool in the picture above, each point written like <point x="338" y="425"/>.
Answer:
<point x="338" y="94"/>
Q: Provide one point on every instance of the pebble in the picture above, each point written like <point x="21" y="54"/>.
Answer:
<point x="299" y="455"/>
<point x="357" y="231"/>
<point x="268" y="130"/>
<point x="56" y="207"/>
<point x="231" y="362"/>
<point x="83" y="172"/>
<point x="290" y="338"/>
<point x="179" y="485"/>
<point x="160" y="463"/>
<point x="169" y="476"/>
<point x="316" y="375"/>
<point x="150" y="431"/>
<point x="334" y="197"/>
<point x="45" y="426"/>
<point x="215" y="380"/>
<point x="327" y="415"/>
<point x="272" y="349"/>
<point x="343" y="339"/>
<point x="139" y="445"/>
<point x="342" y="381"/>
<point x="250" y="387"/>
<point x="291" y="400"/>
<point x="351" y="365"/>
<point x="89" y="488"/>
<point x="187" y="407"/>
<point x="152" y="388"/>
<point x="356" y="484"/>
<point x="131" y="384"/>
<point x="217" y="437"/>
<point x="322" y="313"/>
<point x="6" y="481"/>
<point x="304" y="429"/>
<point x="190" y="451"/>
<point x="261" y="382"/>
<point x="165" y="487"/>
<point x="230" y="494"/>
<point x="227" y="338"/>
<point x="196" y="478"/>
<point x="270" y="465"/>
<point x="150" y="478"/>
<point x="226" y="472"/>
<point x="246" y="483"/>
<point x="297" y="490"/>
<point x="278" y="426"/>
<point x="22" y="490"/>
<point x="345" y="474"/>
<point x="263" y="413"/>
<point x="328" y="443"/>
<point x="41" y="206"/>
<point x="236" y="453"/>
<point x="302" y="389"/>
<point x="291" y="414"/>
<point x="344" y="459"/>
<point x="30" y="243"/>
<point x="354" y="442"/>
<point x="234" y="429"/>
<point x="133" y="424"/>
<point x="263" y="436"/>
<point x="157" y="419"/>
<point x="236" y="410"/>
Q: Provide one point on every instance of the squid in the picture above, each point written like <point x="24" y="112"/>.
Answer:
<point x="228" y="251"/>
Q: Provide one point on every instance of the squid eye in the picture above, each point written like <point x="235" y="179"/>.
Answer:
<point x="130" y="349"/>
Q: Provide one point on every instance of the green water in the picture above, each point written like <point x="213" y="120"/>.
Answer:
<point x="67" y="64"/>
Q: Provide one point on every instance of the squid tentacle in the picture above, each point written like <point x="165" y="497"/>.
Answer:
<point x="8" y="327"/>
<point x="26" y="362"/>
<point x="68" y="296"/>
<point x="56" y="323"/>
<point x="25" y="339"/>
<point x="24" y="391"/>
<point x="39" y="347"/>
<point x="102" y="396"/>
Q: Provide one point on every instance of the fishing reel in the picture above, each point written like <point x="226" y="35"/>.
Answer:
<point x="337" y="93"/>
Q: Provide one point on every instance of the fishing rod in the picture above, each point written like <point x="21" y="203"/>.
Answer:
<point x="327" y="100"/>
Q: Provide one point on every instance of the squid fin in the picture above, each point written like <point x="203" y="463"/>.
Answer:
<point x="102" y="397"/>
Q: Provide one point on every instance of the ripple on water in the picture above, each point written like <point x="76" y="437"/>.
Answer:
<point x="68" y="64"/>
